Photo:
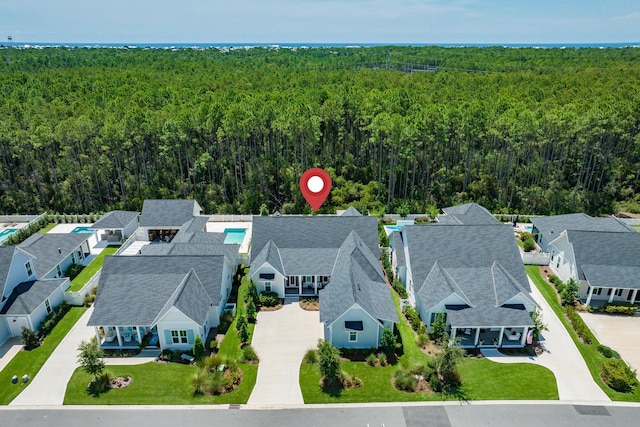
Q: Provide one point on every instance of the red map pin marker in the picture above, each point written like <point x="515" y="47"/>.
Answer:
<point x="315" y="185"/>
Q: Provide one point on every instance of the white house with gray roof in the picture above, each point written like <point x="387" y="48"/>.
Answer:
<point x="32" y="280"/>
<point x="601" y="254"/>
<point x="473" y="274"/>
<point x="116" y="226"/>
<point x="163" y="218"/>
<point x="335" y="257"/>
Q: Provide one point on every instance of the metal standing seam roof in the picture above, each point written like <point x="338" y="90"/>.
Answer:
<point x="50" y="249"/>
<point x="115" y="220"/>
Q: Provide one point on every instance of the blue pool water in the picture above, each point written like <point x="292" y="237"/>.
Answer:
<point x="235" y="235"/>
<point x="528" y="228"/>
<point x="7" y="231"/>
<point x="393" y="227"/>
<point x="82" y="230"/>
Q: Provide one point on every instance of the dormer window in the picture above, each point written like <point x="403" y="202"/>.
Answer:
<point x="29" y="269"/>
<point x="58" y="270"/>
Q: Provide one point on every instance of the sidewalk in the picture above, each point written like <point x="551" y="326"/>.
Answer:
<point x="560" y="355"/>
<point x="8" y="350"/>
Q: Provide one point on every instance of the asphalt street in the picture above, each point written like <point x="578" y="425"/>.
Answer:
<point x="454" y="414"/>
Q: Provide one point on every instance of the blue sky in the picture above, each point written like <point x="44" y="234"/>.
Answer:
<point x="318" y="21"/>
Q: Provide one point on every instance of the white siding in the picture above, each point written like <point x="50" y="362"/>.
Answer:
<point x="130" y="228"/>
<point x="277" y="282"/>
<point x="563" y="262"/>
<point x="4" y="330"/>
<point x="40" y="312"/>
<point x="425" y="314"/>
<point x="369" y="337"/>
<point x="18" y="273"/>
<point x="174" y="319"/>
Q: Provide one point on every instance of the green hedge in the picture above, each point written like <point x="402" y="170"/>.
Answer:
<point x="579" y="326"/>
<point x="269" y="299"/>
<point x="620" y="308"/>
<point x="52" y="319"/>
<point x="618" y="375"/>
<point x="414" y="318"/>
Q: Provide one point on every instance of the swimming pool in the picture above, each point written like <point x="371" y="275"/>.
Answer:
<point x="82" y="230"/>
<point x="528" y="228"/>
<point x="7" y="231"/>
<point x="235" y="235"/>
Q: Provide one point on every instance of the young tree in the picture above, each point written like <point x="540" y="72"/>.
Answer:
<point x="264" y="211"/>
<point x="243" y="329"/>
<point x="251" y="310"/>
<point x="198" y="348"/>
<point x="252" y="293"/>
<point x="403" y="210"/>
<point x="569" y="294"/>
<point x="388" y="341"/>
<point x="329" y="363"/>
<point x="438" y="327"/>
<point x="29" y="338"/>
<point x="446" y="362"/>
<point x="538" y="324"/>
<point x="90" y="358"/>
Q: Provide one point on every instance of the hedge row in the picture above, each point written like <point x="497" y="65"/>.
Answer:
<point x="579" y="326"/>
<point x="620" y="308"/>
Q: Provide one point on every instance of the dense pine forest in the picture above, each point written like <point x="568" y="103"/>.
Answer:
<point x="517" y="130"/>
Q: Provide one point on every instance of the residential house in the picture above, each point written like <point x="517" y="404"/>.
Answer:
<point x="32" y="280"/>
<point x="473" y="275"/>
<point x="466" y="214"/>
<point x="162" y="219"/>
<point x="601" y="254"/>
<point x="334" y="257"/>
<point x="116" y="226"/>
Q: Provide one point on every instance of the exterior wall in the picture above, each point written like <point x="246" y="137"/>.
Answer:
<point x="130" y="228"/>
<point x="369" y="337"/>
<point x="5" y="333"/>
<point x="425" y="314"/>
<point x="66" y="263"/>
<point x="225" y="290"/>
<point x="55" y="299"/>
<point x="563" y="259"/>
<point x="174" y="319"/>
<point x="277" y="282"/>
<point x="18" y="273"/>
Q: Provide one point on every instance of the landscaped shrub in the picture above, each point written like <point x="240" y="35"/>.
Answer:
<point x="52" y="319"/>
<point x="198" y="348"/>
<point x="249" y="354"/>
<point x="438" y="327"/>
<point x="529" y="245"/>
<point x="620" y="308"/>
<point x="242" y="328"/>
<point x="608" y="352"/>
<point x="618" y="375"/>
<point x="90" y="297"/>
<point x="251" y="310"/>
<point x="329" y="363"/>
<point x="382" y="359"/>
<point x="388" y="341"/>
<point x="413" y="317"/>
<point x="399" y="288"/>
<point x="311" y="356"/>
<point x="73" y="271"/>
<point x="371" y="360"/>
<point x="423" y="339"/>
<point x="269" y="299"/>
<point x="569" y="293"/>
<point x="555" y="280"/>
<point x="579" y="326"/>
<point x="29" y="338"/>
<point x="405" y="380"/>
<point x="525" y="235"/>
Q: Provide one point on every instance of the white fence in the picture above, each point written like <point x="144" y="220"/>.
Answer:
<point x="630" y="221"/>
<point x="21" y="218"/>
<point x="77" y="298"/>
<point x="535" y="258"/>
<point x="139" y="235"/>
<point x="230" y="218"/>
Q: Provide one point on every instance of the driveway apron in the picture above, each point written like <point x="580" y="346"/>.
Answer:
<point x="281" y="338"/>
<point x="560" y="355"/>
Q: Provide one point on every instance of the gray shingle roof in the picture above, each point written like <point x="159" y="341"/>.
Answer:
<point x="167" y="213"/>
<point x="314" y="261"/>
<point x="27" y="296"/>
<point x="399" y="249"/>
<point x="351" y="211"/>
<point x="6" y="257"/>
<point x="193" y="300"/>
<point x="357" y="278"/>
<point x="184" y="236"/>
<point x="486" y="317"/>
<point x="270" y="254"/>
<point x="115" y="220"/>
<point x="551" y="226"/>
<point x="468" y="214"/>
<point x="43" y="249"/>
<point x="196" y="224"/>
<point x="463" y="246"/>
<point x="607" y="259"/>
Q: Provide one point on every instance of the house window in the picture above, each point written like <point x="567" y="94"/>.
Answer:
<point x="558" y="263"/>
<point x="27" y="267"/>
<point x="58" y="270"/>
<point x="597" y="291"/>
<point x="630" y="294"/>
<point x="308" y="279"/>
<point x="353" y="336"/>
<point x="73" y="257"/>
<point x="267" y="286"/>
<point x="47" y="305"/>
<point x="179" y="337"/>
<point x="609" y="291"/>
<point x="618" y="292"/>
<point x="80" y="256"/>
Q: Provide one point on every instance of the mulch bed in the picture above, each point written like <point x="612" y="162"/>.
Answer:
<point x="422" y="386"/>
<point x="276" y="308"/>
<point x="310" y="305"/>
<point x="120" y="382"/>
<point x="347" y="383"/>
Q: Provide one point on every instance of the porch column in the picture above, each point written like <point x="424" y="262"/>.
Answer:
<point x="613" y="294"/>
<point x="300" y="282"/>
<point x="590" y="294"/>
<point x="501" y="336"/>
<point x="453" y="334"/>
<point x="118" y="336"/>
<point x="139" y="337"/>
<point x="475" y="342"/>
<point x="524" y="336"/>
<point x="97" y="331"/>
<point x="633" y="297"/>
<point x="315" y="285"/>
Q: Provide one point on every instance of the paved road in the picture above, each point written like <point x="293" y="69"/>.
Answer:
<point x="281" y="338"/>
<point x="621" y="333"/>
<point x="450" y="414"/>
<point x="561" y="356"/>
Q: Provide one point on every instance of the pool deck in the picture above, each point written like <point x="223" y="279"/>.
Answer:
<point x="219" y="227"/>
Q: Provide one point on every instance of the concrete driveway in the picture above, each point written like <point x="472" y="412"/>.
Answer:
<point x="281" y="338"/>
<point x="560" y="355"/>
<point x="621" y="333"/>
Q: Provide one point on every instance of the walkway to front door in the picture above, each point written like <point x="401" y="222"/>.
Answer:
<point x="281" y="338"/>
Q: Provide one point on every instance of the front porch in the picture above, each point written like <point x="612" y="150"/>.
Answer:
<point x="598" y="296"/>
<point x="126" y="337"/>
<point x="490" y="337"/>
<point x="304" y="285"/>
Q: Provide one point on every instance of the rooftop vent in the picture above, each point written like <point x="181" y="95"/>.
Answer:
<point x="59" y="250"/>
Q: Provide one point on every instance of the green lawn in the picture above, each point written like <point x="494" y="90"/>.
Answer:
<point x="30" y="362"/>
<point x="589" y="352"/>
<point x="90" y="270"/>
<point x="482" y="379"/>
<point x="156" y="384"/>
<point x="230" y="346"/>
<point x="47" y="228"/>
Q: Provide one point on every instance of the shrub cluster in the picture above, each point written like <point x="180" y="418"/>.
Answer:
<point x="249" y="354"/>
<point x="414" y="319"/>
<point x="73" y="271"/>
<point x="52" y="319"/>
<point x="269" y="299"/>
<point x="620" y="308"/>
<point x="374" y="359"/>
<point x="618" y="375"/>
<point x="23" y="233"/>
<point x="608" y="352"/>
<point x="559" y="284"/>
<point x="400" y="289"/>
<point x="579" y="326"/>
